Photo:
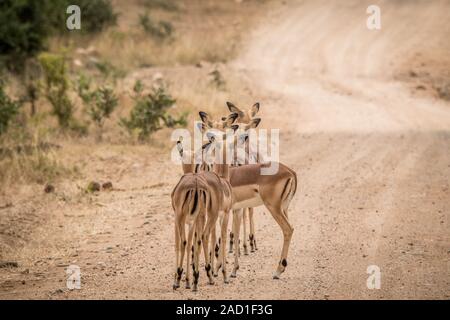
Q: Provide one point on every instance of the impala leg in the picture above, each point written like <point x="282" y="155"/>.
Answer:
<point x="208" y="253"/>
<point x="252" y="238"/>
<point x="236" y="227"/>
<point x="197" y="247"/>
<point x="288" y="230"/>
<point x="231" y="239"/>
<point x="213" y="247"/>
<point x="189" y="254"/>
<point x="244" y="223"/>
<point x="223" y="258"/>
<point x="182" y="249"/>
<point x="177" y="257"/>
<point x="218" y="245"/>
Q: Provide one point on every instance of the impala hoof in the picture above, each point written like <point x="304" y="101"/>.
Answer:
<point x="276" y="276"/>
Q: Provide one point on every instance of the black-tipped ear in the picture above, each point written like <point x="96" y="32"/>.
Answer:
<point x="233" y="108"/>
<point x="255" y="109"/>
<point x="232" y="117"/>
<point x="204" y="116"/>
<point x="234" y="127"/>
<point x="230" y="120"/>
<point x="254" y="123"/>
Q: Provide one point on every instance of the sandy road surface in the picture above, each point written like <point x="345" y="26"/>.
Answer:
<point x="373" y="163"/>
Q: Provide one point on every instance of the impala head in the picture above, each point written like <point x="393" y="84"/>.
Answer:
<point x="209" y="123"/>
<point x="187" y="161"/>
<point x="244" y="116"/>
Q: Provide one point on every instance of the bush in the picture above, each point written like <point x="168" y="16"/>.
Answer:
<point x="56" y="88"/>
<point x="100" y="103"/>
<point x="23" y="29"/>
<point x="8" y="109"/>
<point x="96" y="15"/>
<point x="149" y="113"/>
<point x="25" y="25"/>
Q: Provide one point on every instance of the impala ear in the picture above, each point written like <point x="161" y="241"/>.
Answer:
<point x="253" y="123"/>
<point x="206" y="119"/>
<point x="255" y="109"/>
<point x="203" y="116"/>
<point x="233" y="108"/>
<point x="230" y="120"/>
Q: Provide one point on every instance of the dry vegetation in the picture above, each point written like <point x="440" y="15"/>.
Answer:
<point x="190" y="63"/>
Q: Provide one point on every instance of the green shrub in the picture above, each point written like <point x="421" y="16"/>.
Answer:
<point x="100" y="102"/>
<point x="25" y="25"/>
<point x="56" y="88"/>
<point x="24" y="28"/>
<point x="104" y="103"/>
<point x="8" y="109"/>
<point x="149" y="113"/>
<point x="160" y="29"/>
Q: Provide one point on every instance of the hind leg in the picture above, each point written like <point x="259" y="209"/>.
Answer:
<point x="176" y="283"/>
<point x="181" y="239"/>
<point x="244" y="223"/>
<point x="252" y="238"/>
<point x="197" y="247"/>
<point x="189" y="254"/>
<point x="288" y="230"/>
<point x="208" y="253"/>
<point x="236" y="227"/>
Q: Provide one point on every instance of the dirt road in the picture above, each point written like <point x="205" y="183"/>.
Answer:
<point x="372" y="158"/>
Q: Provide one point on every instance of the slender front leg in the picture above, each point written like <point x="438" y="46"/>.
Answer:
<point x="236" y="227"/>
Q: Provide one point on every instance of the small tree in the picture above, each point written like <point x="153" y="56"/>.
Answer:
<point x="149" y="113"/>
<point x="101" y="107"/>
<point x="8" y="109"/>
<point x="100" y="102"/>
<point x="56" y="88"/>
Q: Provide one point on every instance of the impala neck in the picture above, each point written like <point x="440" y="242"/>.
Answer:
<point x="221" y="167"/>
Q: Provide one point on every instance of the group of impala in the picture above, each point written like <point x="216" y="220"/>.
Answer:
<point x="212" y="186"/>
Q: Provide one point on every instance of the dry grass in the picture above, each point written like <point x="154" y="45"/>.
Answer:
<point x="28" y="156"/>
<point x="203" y="31"/>
<point x="206" y="35"/>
